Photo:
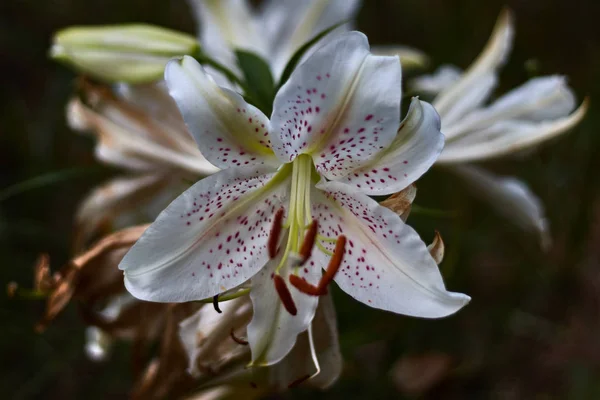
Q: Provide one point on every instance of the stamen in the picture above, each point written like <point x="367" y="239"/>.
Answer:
<point x="216" y="304"/>
<point x="309" y="241"/>
<point x="275" y="233"/>
<point x="302" y="285"/>
<point x="284" y="295"/>
<point x="238" y="340"/>
<point x="323" y="249"/>
<point x="334" y="264"/>
<point x="298" y="381"/>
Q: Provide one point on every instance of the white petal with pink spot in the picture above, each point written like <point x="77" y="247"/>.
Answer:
<point x="273" y="330"/>
<point x="386" y="264"/>
<point x="338" y="106"/>
<point x="210" y="239"/>
<point x="415" y="149"/>
<point x="228" y="131"/>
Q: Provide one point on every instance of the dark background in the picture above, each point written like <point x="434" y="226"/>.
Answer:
<point x="532" y="328"/>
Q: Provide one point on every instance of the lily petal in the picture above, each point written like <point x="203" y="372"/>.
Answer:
<point x="510" y="197"/>
<point x="506" y="137"/>
<point x="338" y="106"/>
<point x="210" y="239"/>
<point x="386" y="265"/>
<point x="111" y="200"/>
<point x="291" y="23"/>
<point x="228" y="131"/>
<point x="273" y="330"/>
<point x="127" y="137"/>
<point x="415" y="149"/>
<point x="539" y="99"/>
<point x="206" y="335"/>
<point x="443" y="78"/>
<point x="226" y="25"/>
<point x="410" y="58"/>
<point x="477" y="82"/>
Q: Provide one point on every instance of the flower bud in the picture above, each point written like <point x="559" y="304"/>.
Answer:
<point x="133" y="53"/>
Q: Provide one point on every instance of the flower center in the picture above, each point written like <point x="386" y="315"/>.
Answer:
<point x="299" y="215"/>
<point x="301" y="238"/>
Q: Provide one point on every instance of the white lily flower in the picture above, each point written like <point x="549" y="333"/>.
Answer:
<point x="275" y="31"/>
<point x="333" y="139"/>
<point x="525" y="117"/>
<point x="139" y="130"/>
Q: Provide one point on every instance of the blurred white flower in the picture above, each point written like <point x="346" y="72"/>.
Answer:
<point x="140" y="130"/>
<point x="218" y="353"/>
<point x="476" y="130"/>
<point x="274" y="31"/>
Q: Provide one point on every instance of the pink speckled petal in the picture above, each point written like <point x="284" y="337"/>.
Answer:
<point x="210" y="239"/>
<point x="342" y="106"/>
<point x="273" y="330"/>
<point x="386" y="265"/>
<point x="417" y="146"/>
<point x="228" y="131"/>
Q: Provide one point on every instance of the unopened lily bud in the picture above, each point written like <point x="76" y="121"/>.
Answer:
<point x="133" y="53"/>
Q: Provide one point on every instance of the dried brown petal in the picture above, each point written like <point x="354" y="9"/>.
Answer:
<point x="437" y="248"/>
<point x="401" y="202"/>
<point x="42" y="279"/>
<point x="93" y="275"/>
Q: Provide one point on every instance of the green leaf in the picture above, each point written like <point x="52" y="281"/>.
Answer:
<point x="206" y="60"/>
<point x="291" y="65"/>
<point x="259" y="85"/>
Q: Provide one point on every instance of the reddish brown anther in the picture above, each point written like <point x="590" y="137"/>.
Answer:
<point x="284" y="295"/>
<point x="298" y="381"/>
<point x="237" y="339"/>
<point x="309" y="242"/>
<point x="334" y="264"/>
<point x="302" y="285"/>
<point x="275" y="233"/>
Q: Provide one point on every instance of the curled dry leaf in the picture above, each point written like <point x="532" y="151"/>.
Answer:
<point x="91" y="276"/>
<point x="42" y="279"/>
<point x="401" y="202"/>
<point x="416" y="374"/>
<point x="437" y="248"/>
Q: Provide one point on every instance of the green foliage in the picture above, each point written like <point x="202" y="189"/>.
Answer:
<point x="259" y="86"/>
<point x="291" y="65"/>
